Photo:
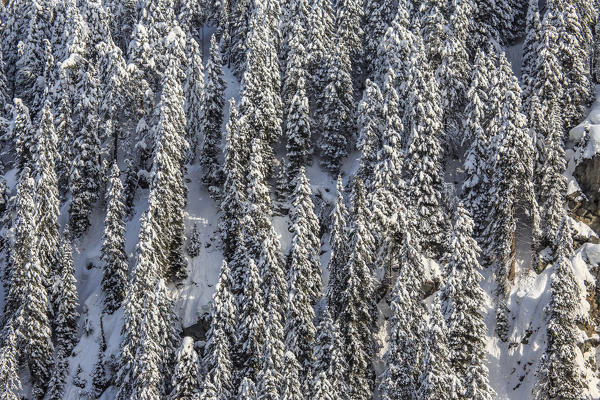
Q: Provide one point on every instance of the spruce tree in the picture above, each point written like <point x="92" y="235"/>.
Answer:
<point x="22" y="134"/>
<point x="114" y="280"/>
<point x="218" y="352"/>
<point x="251" y="330"/>
<point x="299" y="145"/>
<point x="194" y="244"/>
<point x="431" y="17"/>
<point x="213" y="116"/>
<point x="10" y="384"/>
<point x="560" y="376"/>
<point x="247" y="390"/>
<point x="330" y="365"/>
<point x="404" y="355"/>
<point x="370" y="131"/>
<point x="320" y="32"/>
<point x="438" y="380"/>
<point x="338" y="243"/>
<point x="378" y="16"/>
<point x="185" y="377"/>
<point x="357" y="318"/>
<point x="234" y="194"/>
<point x="86" y="169"/>
<point x="292" y="384"/>
<point x="424" y="179"/>
<point x="304" y="274"/>
<point x="194" y="92"/>
<point x="336" y="109"/>
<point x="462" y="299"/>
<point x="348" y="22"/>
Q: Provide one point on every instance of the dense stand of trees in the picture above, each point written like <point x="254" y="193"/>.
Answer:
<point x="102" y="100"/>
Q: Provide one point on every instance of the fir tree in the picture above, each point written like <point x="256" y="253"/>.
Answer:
<point x="100" y="379"/>
<point x="114" y="280"/>
<point x="21" y="132"/>
<point x="292" y="385"/>
<point x="194" y="93"/>
<point x="299" y="146"/>
<point x="318" y="45"/>
<point x="348" y="21"/>
<point x="218" y="352"/>
<point x="423" y="167"/>
<point x="10" y="384"/>
<point x="463" y="299"/>
<point x="370" y="132"/>
<point x="66" y="317"/>
<point x="335" y="108"/>
<point x="213" y="116"/>
<point x="432" y="19"/>
<point x="234" y="194"/>
<point x="560" y="376"/>
<point x="404" y="355"/>
<point x="338" y="243"/>
<point x="247" y="390"/>
<point x="438" y="380"/>
<point x="251" y="331"/>
<point x="330" y="366"/>
<point x="194" y="244"/>
<point x="185" y="378"/>
<point x="86" y="169"/>
<point x="378" y="16"/>
<point x="357" y="315"/>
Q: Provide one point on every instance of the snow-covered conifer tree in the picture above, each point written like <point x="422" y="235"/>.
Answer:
<point x="194" y="92"/>
<point x="318" y="45"/>
<point x="194" y="244"/>
<point x="213" y="116"/>
<point x="251" y="330"/>
<point x="234" y="194"/>
<point x="114" y="280"/>
<point x="404" y="355"/>
<point x="247" y="390"/>
<point x="22" y="134"/>
<point x="185" y="377"/>
<point x="370" y="131"/>
<point x="292" y="384"/>
<point x="348" y="24"/>
<point x="330" y="365"/>
<point x="560" y="375"/>
<point x="424" y="179"/>
<point x="357" y="314"/>
<point x="438" y="380"/>
<point x="304" y="275"/>
<point x="378" y="16"/>
<point x="220" y="339"/>
<point x="10" y="384"/>
<point x="336" y="109"/>
<point x="86" y="169"/>
<point x="431" y="17"/>
<point x="338" y="243"/>
<point x="462" y="299"/>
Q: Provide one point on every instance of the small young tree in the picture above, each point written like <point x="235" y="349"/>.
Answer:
<point x="194" y="244"/>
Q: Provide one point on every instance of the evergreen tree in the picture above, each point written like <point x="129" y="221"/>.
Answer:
<point x="299" y="145"/>
<point x="463" y="299"/>
<point x="234" y="194"/>
<point x="185" y="378"/>
<point x="336" y="109"/>
<point x="294" y="21"/>
<point x="437" y="381"/>
<point x="476" y="168"/>
<point x="338" y="243"/>
<point x="194" y="244"/>
<point x="370" y="131"/>
<point x="329" y="369"/>
<point x="304" y="275"/>
<point x="218" y="352"/>
<point x="114" y="280"/>
<point x="533" y="30"/>
<point x="357" y="318"/>
<point x="292" y="385"/>
<point x="251" y="331"/>
<point x="431" y="17"/>
<point x="86" y="169"/>
<point x="423" y="167"/>
<point x="194" y="92"/>
<point x="318" y="46"/>
<point x="247" y="390"/>
<point x="404" y="355"/>
<point x="167" y="187"/>
<point x="22" y="134"/>
<point x="66" y="317"/>
<point x="213" y="116"/>
<point x="100" y="379"/>
<point x="560" y="376"/>
<point x="349" y="21"/>
<point x="10" y="384"/>
<point x="378" y="16"/>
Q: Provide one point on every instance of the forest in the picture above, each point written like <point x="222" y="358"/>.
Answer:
<point x="299" y="199"/>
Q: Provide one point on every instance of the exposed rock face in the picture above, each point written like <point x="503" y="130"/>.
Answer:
<point x="585" y="206"/>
